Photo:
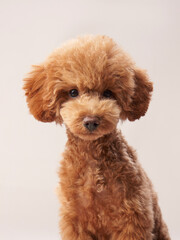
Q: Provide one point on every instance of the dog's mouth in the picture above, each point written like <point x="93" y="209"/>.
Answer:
<point x="92" y="127"/>
<point x="89" y="135"/>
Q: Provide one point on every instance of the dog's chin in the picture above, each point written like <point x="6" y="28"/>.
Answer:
<point x="91" y="136"/>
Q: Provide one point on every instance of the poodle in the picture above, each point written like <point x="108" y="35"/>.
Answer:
<point x="89" y="84"/>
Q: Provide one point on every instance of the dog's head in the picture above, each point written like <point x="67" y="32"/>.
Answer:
<point x="89" y="84"/>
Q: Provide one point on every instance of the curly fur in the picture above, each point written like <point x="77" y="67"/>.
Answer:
<point x="104" y="192"/>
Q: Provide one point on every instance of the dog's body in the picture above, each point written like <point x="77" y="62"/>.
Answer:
<point x="105" y="193"/>
<point x="89" y="84"/>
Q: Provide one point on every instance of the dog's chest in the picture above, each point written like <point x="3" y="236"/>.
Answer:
<point x="94" y="179"/>
<point x="98" y="195"/>
<point x="96" y="185"/>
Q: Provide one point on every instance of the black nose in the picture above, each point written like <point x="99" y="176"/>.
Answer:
<point x="91" y="123"/>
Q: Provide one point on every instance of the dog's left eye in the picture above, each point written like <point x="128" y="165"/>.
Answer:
<point x="107" y="94"/>
<point x="73" y="93"/>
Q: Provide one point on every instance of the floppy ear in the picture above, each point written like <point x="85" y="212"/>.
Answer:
<point x="38" y="99"/>
<point x="141" y="97"/>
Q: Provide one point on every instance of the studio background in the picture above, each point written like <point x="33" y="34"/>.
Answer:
<point x="30" y="151"/>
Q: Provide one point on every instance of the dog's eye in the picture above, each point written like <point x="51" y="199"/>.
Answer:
<point x="107" y="94"/>
<point x="73" y="93"/>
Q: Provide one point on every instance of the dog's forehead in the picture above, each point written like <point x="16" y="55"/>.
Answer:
<point x="89" y="65"/>
<point x="89" y="75"/>
<point x="94" y="74"/>
<point x="85" y="71"/>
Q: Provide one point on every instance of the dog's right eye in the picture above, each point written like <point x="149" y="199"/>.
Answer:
<point x="107" y="94"/>
<point x="73" y="93"/>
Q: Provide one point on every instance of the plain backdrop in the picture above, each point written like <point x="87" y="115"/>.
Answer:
<point x="30" y="151"/>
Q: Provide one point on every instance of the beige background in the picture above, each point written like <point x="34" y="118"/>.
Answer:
<point x="30" y="151"/>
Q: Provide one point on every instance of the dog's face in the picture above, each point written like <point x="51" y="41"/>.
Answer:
<point x="88" y="84"/>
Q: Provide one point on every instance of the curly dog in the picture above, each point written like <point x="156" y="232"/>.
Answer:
<point x="89" y="84"/>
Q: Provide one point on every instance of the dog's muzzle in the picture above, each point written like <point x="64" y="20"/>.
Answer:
<point x="91" y="123"/>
